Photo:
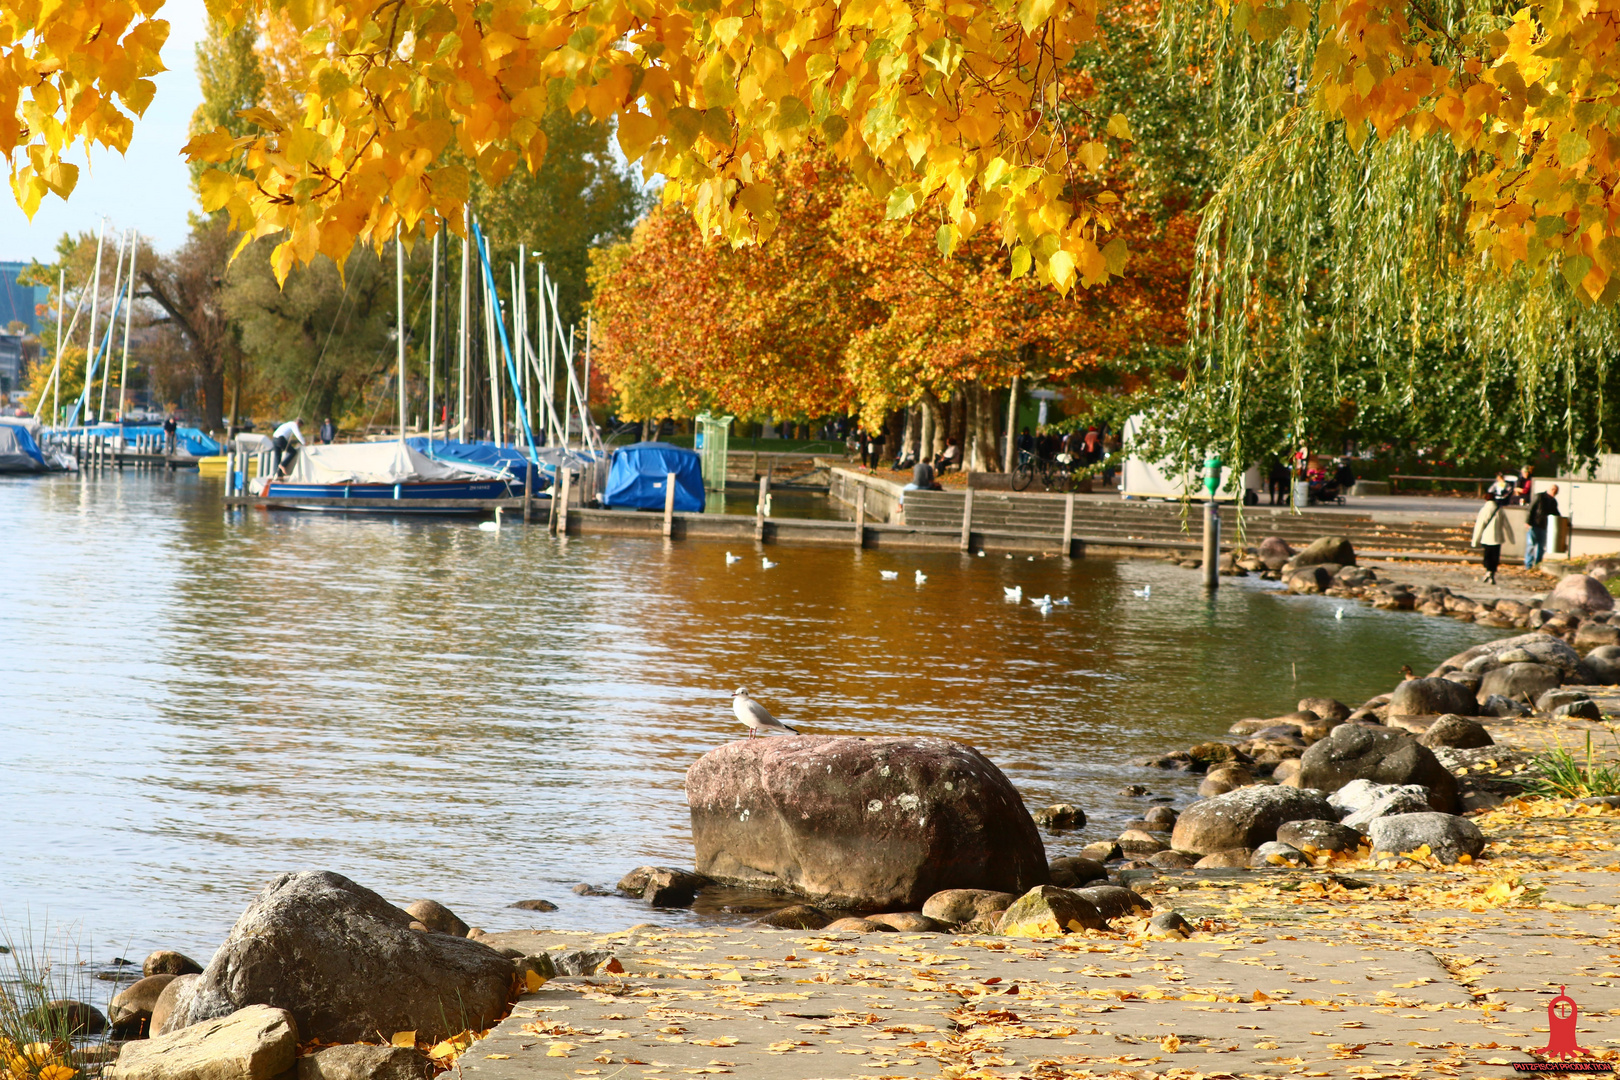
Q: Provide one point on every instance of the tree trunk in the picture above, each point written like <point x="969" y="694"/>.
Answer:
<point x="928" y="428"/>
<point x="908" y="437"/>
<point x="981" y="424"/>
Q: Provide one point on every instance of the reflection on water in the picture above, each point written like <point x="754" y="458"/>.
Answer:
<point x="199" y="698"/>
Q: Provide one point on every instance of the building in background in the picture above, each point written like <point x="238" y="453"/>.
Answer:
<point x="20" y="303"/>
<point x="11" y="364"/>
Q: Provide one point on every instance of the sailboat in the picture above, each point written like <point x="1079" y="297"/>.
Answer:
<point x="388" y="477"/>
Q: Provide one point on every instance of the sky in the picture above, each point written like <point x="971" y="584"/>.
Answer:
<point x="148" y="188"/>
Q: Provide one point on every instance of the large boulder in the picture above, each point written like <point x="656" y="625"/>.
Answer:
<point x="1245" y="818"/>
<point x="1445" y="835"/>
<point x="1457" y="732"/>
<point x="1362" y="752"/>
<point x="130" y="1010"/>
<point x="1327" y="549"/>
<point x="1520" y="682"/>
<point x="1115" y="901"/>
<point x="862" y="823"/>
<point x="1362" y="802"/>
<point x="1579" y="592"/>
<point x="1329" y="709"/>
<point x="169" y="962"/>
<point x="952" y="906"/>
<point x="1592" y="634"/>
<point x="360" y="1062"/>
<point x="1274" y="552"/>
<point x="1318" y="834"/>
<point x="1603" y="665"/>
<point x="1048" y="911"/>
<point x="1537" y="647"/>
<point x="254" y="1043"/>
<point x="163" y="1009"/>
<point x="347" y="965"/>
<point x="1309" y="579"/>
<point x="1431" y="697"/>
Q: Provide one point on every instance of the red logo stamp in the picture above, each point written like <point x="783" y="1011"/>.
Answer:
<point x="1561" y="1019"/>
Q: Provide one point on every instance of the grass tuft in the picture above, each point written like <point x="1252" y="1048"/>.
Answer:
<point x="37" y="1032"/>
<point x="1564" y="775"/>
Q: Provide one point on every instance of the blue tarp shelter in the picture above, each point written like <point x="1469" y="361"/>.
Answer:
<point x="636" y="480"/>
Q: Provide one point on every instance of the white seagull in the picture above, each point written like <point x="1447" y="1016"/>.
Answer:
<point x="1015" y="594"/>
<point x="730" y="558"/>
<point x="981" y="554"/>
<point x="1041" y="601"/>
<point x="754" y="715"/>
<point x="1063" y="600"/>
<point x="889" y="575"/>
<point x="1045" y="605"/>
<point x="766" y="564"/>
<point x="1144" y="592"/>
<point x="1338" y="613"/>
<point x="921" y="577"/>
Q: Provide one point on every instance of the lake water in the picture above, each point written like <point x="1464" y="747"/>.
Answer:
<point x="198" y="698"/>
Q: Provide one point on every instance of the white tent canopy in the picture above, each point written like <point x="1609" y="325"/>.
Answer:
<point x="375" y="463"/>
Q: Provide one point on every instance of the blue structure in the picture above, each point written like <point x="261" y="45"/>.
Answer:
<point x="18" y="302"/>
<point x="188" y="440"/>
<point x="487" y="455"/>
<point x="636" y="480"/>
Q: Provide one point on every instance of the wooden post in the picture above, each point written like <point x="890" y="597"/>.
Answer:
<point x="1068" y="526"/>
<point x="860" y="516"/>
<point x="562" y="509"/>
<point x="551" y="509"/>
<point x="528" y="482"/>
<point x="759" y="508"/>
<point x="967" y="518"/>
<point x="669" y="505"/>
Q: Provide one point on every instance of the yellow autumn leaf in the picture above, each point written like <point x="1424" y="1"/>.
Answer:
<point x="403" y="1038"/>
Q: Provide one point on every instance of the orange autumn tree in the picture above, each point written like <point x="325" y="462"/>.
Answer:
<point x="845" y="308"/>
<point x="684" y="324"/>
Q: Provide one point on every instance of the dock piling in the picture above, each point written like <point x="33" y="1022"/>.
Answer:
<point x="562" y="511"/>
<point x="759" y="508"/>
<point x="1068" y="526"/>
<point x="860" y="516"/>
<point x="967" y="519"/>
<point x="669" y="505"/>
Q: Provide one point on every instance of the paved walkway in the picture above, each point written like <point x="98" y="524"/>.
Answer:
<point x="1348" y="971"/>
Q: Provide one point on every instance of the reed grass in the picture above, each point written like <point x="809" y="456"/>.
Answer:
<point x="37" y="1032"/>
<point x="1565" y="775"/>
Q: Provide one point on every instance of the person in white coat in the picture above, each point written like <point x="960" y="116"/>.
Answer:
<point x="1491" y="531"/>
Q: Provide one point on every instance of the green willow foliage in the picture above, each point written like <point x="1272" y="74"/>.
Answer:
<point x="1335" y="292"/>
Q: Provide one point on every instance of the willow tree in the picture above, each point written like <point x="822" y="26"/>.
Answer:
<point x="1453" y="289"/>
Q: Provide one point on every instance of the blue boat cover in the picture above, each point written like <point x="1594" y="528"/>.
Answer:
<point x="188" y="440"/>
<point x="637" y="477"/>
<point x="513" y="459"/>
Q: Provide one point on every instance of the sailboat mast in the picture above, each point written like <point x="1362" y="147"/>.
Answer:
<point x="466" y="329"/>
<point x="433" y="337"/>
<point x="95" y="302"/>
<point x="129" y="313"/>
<point x="399" y="335"/>
<point x="112" y="326"/>
<point x="56" y="368"/>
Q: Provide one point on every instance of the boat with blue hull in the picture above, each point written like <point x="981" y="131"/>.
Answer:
<point x="383" y="477"/>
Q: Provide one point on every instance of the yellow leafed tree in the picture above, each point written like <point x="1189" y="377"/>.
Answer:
<point x="947" y="108"/>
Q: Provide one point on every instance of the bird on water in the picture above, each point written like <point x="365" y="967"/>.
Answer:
<point x="755" y="715"/>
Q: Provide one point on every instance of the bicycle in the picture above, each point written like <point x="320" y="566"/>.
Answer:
<point x="1054" y="476"/>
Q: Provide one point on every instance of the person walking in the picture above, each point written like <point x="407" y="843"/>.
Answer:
<point x="328" y="431"/>
<point x="1491" y="530"/>
<point x="1543" y="508"/>
<point x="283" y="437"/>
<point x="1501" y="492"/>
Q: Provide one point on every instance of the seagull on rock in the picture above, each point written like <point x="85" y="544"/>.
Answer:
<point x="753" y="714"/>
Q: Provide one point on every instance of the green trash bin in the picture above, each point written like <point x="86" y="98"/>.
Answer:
<point x="713" y="436"/>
